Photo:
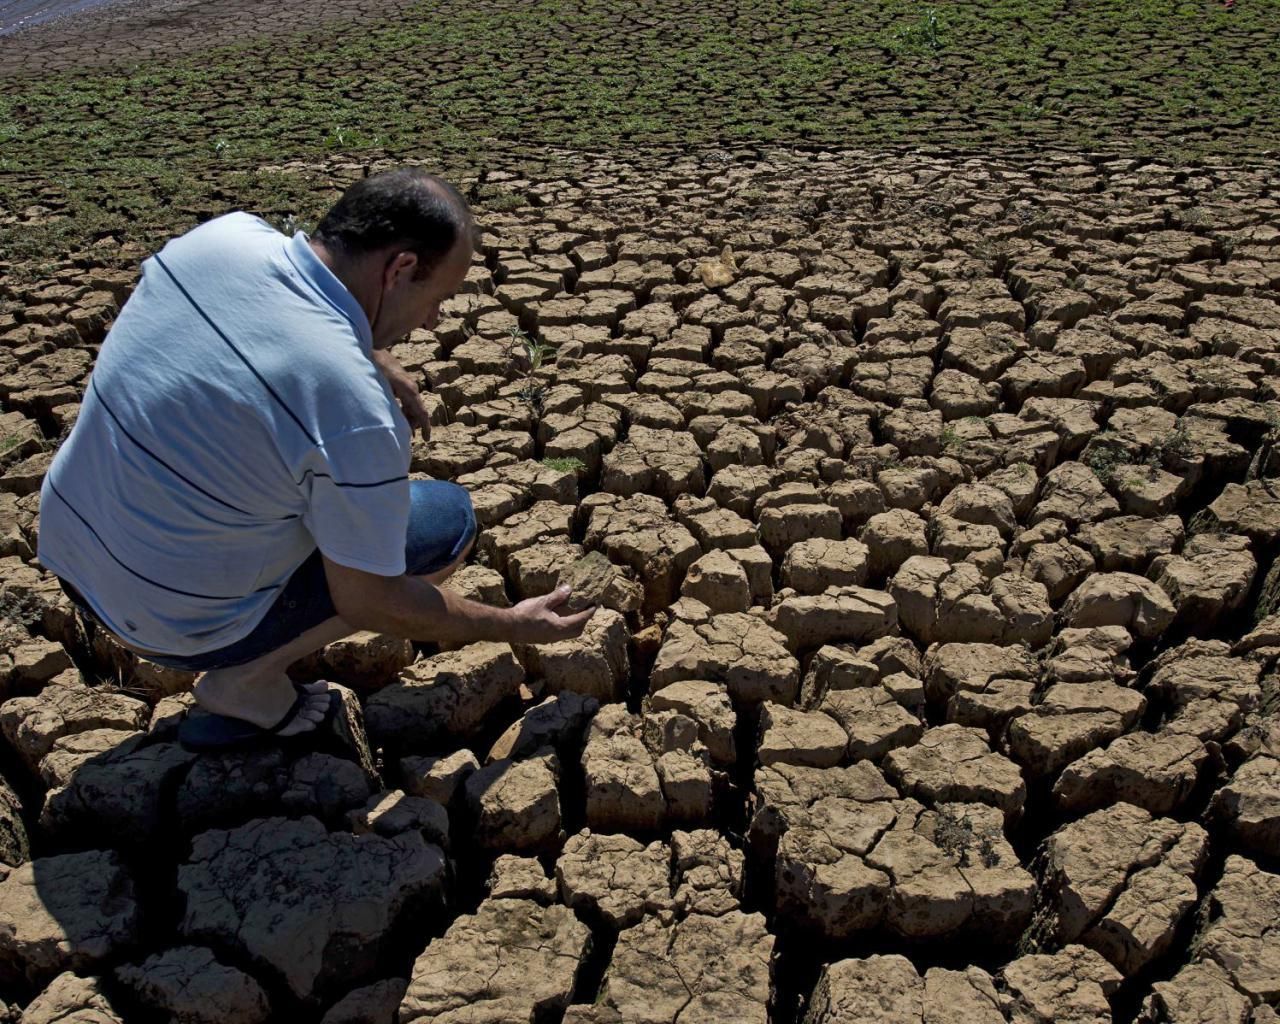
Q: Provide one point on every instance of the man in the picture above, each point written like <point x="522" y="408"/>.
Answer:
<point x="235" y="492"/>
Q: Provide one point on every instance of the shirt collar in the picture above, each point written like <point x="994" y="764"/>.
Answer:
<point x="310" y="266"/>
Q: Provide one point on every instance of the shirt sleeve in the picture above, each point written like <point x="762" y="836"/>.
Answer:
<point x="357" y="499"/>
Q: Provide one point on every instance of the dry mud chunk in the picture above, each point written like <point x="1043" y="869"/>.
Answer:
<point x="230" y="788"/>
<point x="799" y="737"/>
<point x="1120" y="599"/>
<point x="190" y="985"/>
<point x="887" y="990"/>
<point x="1071" y="720"/>
<point x="708" y="705"/>
<point x="667" y="463"/>
<point x="614" y="877"/>
<point x="515" y="804"/>
<point x="1073" y="986"/>
<point x="512" y="960"/>
<point x="1200" y="993"/>
<point x="557" y="722"/>
<point x="638" y="532"/>
<point x="781" y="527"/>
<point x="33" y="724"/>
<point x="983" y="352"/>
<point x="718" y="581"/>
<point x="1249" y="509"/>
<point x="701" y="968"/>
<point x="708" y="872"/>
<point x="738" y="650"/>
<point x="1250" y="804"/>
<point x="1155" y="771"/>
<point x="846" y="614"/>
<point x="325" y="928"/>
<point x="449" y="695"/>
<point x="1211" y="576"/>
<point x="70" y="1000"/>
<point x="66" y="913"/>
<point x="521" y="878"/>
<point x="953" y="764"/>
<point x="811" y="566"/>
<point x="872" y="719"/>
<point x="544" y="521"/>
<point x="943" y="602"/>
<point x="119" y="793"/>
<point x="1241" y="936"/>
<point x="712" y="526"/>
<point x="737" y="488"/>
<point x="594" y="580"/>
<point x="14" y="847"/>
<point x="954" y="667"/>
<point x="1073" y="493"/>
<point x="1121" y="881"/>
<point x="369" y="1004"/>
<point x="365" y="661"/>
<point x="624" y="792"/>
<point x="595" y="663"/>
<point x="1130" y="543"/>
<point x="1205" y="671"/>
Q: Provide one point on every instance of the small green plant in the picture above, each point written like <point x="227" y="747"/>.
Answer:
<point x="924" y="35"/>
<point x="529" y="355"/>
<point x="1104" y="461"/>
<point x="954" y="836"/>
<point x="568" y="465"/>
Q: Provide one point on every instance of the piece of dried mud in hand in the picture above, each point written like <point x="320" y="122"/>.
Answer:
<point x="590" y="578"/>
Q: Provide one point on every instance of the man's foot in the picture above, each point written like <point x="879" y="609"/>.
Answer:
<point x="263" y="703"/>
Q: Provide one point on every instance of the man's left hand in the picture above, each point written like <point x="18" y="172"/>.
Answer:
<point x="406" y="392"/>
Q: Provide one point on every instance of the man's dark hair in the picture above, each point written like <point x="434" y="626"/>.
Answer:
<point x="406" y="207"/>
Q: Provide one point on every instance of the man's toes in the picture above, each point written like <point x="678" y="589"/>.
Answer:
<point x="310" y="715"/>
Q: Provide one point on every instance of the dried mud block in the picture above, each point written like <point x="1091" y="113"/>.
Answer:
<point x="327" y="927"/>
<point x="226" y="790"/>
<point x="667" y="463"/>
<point x="873" y="721"/>
<point x="1120" y="882"/>
<point x="1249" y="804"/>
<point x="714" y="527"/>
<point x="840" y="615"/>
<point x="845" y="866"/>
<point x="1211" y="576"/>
<point x="707" y="871"/>
<point x="512" y="960"/>
<point x="364" y="661"/>
<point x="33" y="724"/>
<point x="699" y="968"/>
<point x="34" y="663"/>
<point x="1240" y="936"/>
<point x="594" y="663"/>
<point x="709" y="706"/>
<point x="952" y="668"/>
<point x="888" y="990"/>
<point x="788" y="736"/>
<point x="190" y="984"/>
<point x="719" y="581"/>
<point x="614" y="878"/>
<point x="1073" y="493"/>
<point x="740" y="651"/>
<point x="1130" y="543"/>
<point x="624" y="792"/>
<point x="14" y="845"/>
<point x="1205" y="670"/>
<point x="1155" y="771"/>
<point x="1072" y="986"/>
<point x="558" y="722"/>
<point x="521" y="878"/>
<point x="448" y="696"/>
<point x="638" y="532"/>
<point x="944" y="602"/>
<point x="516" y="804"/>
<point x="1250" y="509"/>
<point x="594" y="580"/>
<point x="1200" y="993"/>
<point x="782" y="526"/>
<point x="479" y="583"/>
<point x="119" y="795"/>
<point x="1120" y="599"/>
<point x="954" y="764"/>
<point x="1070" y="720"/>
<point x="67" y="912"/>
<point x="437" y="778"/>
<point x="544" y="521"/>
<point x="69" y="999"/>
<point x="388" y="814"/>
<point x="369" y="1004"/>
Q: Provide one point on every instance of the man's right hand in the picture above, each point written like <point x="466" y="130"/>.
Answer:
<point x="536" y="621"/>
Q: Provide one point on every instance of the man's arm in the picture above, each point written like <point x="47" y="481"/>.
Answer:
<point x="410" y="607"/>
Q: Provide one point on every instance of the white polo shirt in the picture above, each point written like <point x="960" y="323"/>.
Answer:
<point x="234" y="422"/>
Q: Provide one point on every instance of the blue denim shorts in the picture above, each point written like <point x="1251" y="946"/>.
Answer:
<point x="442" y="525"/>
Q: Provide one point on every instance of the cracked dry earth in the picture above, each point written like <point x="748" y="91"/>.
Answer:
<point x="928" y="506"/>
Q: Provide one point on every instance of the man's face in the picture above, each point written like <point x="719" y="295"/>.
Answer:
<point x="409" y="303"/>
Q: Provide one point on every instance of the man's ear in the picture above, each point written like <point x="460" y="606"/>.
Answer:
<point x="400" y="268"/>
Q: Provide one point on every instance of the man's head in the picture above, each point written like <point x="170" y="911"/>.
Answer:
<point x="402" y="240"/>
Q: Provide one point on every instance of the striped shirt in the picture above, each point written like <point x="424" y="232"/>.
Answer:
<point x="234" y="422"/>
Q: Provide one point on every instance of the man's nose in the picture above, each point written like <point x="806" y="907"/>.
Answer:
<point x="431" y="319"/>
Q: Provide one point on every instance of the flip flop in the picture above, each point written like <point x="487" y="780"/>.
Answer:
<point x="209" y="732"/>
